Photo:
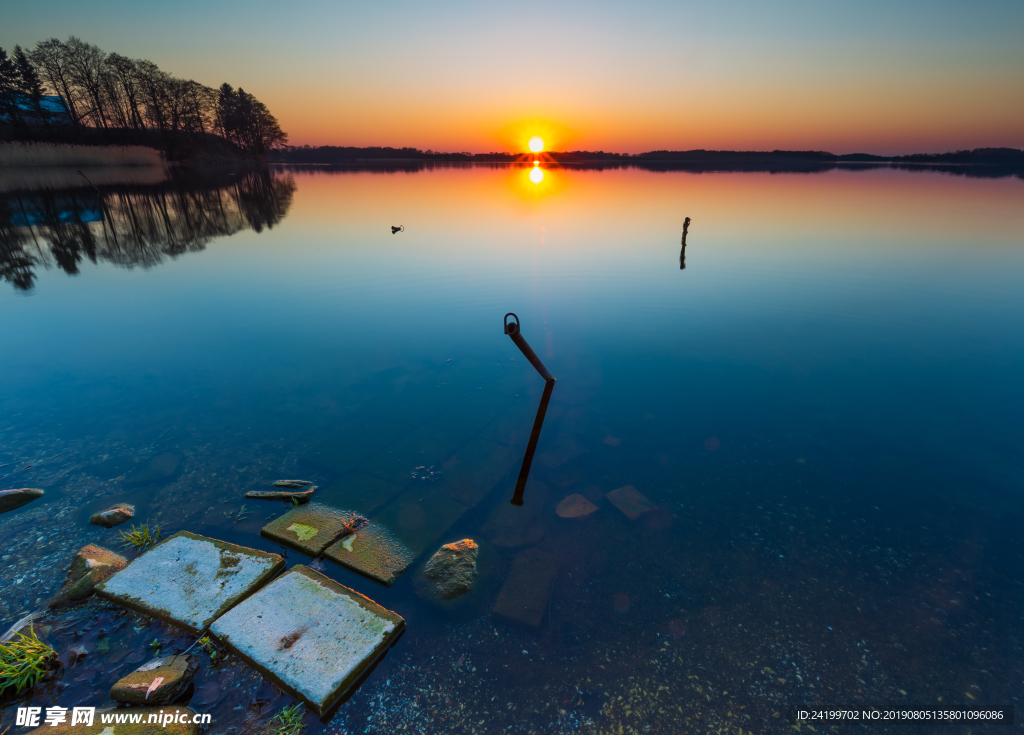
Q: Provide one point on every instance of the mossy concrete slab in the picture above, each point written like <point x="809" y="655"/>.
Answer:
<point x="190" y="580"/>
<point x="167" y="715"/>
<point x="309" y="528"/>
<point x="373" y="551"/>
<point x="524" y="598"/>
<point x="312" y="636"/>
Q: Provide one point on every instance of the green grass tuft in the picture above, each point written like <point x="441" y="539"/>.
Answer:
<point x="141" y="538"/>
<point x="289" y="721"/>
<point x="24" y="662"/>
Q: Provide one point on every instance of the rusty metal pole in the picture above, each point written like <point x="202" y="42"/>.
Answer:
<point x="513" y="331"/>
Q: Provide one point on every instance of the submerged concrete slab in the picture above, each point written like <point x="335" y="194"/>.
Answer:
<point x="524" y="598"/>
<point x="373" y="551"/>
<point x="190" y="580"/>
<point x="312" y="636"/>
<point x="362" y="491"/>
<point x="630" y="501"/>
<point x="310" y="528"/>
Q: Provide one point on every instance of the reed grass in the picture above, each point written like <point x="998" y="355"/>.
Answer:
<point x="289" y="721"/>
<point x="141" y="538"/>
<point x="16" y="155"/>
<point x="24" y="662"/>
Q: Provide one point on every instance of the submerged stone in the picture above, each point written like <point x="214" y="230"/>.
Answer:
<point x="312" y="636"/>
<point x="160" y="468"/>
<point x="159" y="681"/>
<point x="630" y="501"/>
<point x="374" y="551"/>
<point x="294" y="484"/>
<point x="11" y="499"/>
<point x="311" y="528"/>
<point x="190" y="580"/>
<point x="452" y="569"/>
<point x="524" y="598"/>
<point x="113" y="515"/>
<point x="299" y="496"/>
<point x="153" y="721"/>
<point x="91" y="565"/>
<point x="575" y="506"/>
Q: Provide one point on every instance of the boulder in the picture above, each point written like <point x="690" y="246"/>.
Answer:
<point x="11" y="499"/>
<point x="91" y="565"/>
<point x="113" y="515"/>
<point x="453" y="568"/>
<point x="575" y="506"/>
<point x="299" y="496"/>
<point x="159" y="681"/>
<point x="294" y="484"/>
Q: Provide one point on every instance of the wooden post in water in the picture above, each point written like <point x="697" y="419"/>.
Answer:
<point x="682" y="253"/>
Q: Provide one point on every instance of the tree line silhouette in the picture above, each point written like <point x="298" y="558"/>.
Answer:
<point x="77" y="85"/>
<point x="132" y="225"/>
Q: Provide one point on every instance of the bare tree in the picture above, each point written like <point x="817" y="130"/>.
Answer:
<point x="85" y="66"/>
<point x="51" y="59"/>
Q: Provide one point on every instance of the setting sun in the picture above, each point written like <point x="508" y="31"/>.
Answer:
<point x="536" y="144"/>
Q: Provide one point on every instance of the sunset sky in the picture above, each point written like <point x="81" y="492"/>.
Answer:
<point x="871" y="75"/>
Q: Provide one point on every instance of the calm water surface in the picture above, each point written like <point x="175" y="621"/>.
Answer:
<point x="825" y="405"/>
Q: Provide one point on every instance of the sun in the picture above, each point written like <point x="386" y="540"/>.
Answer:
<point x="536" y="144"/>
<point x="536" y="175"/>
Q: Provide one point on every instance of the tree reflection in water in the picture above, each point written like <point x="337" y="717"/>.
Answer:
<point x="133" y="225"/>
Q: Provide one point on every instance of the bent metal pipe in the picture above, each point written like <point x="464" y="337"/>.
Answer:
<point x="513" y="330"/>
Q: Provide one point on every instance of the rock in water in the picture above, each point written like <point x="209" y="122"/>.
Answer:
<point x="294" y="484"/>
<point x="160" y="468"/>
<point x="11" y="499"/>
<point x="159" y="681"/>
<point x="91" y="565"/>
<point x="453" y="568"/>
<point x="575" y="506"/>
<point x="299" y="496"/>
<point x="113" y="515"/>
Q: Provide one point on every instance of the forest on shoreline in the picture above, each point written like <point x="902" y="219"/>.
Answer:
<point x="74" y="92"/>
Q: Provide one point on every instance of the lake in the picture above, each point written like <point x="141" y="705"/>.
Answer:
<point x="823" y="408"/>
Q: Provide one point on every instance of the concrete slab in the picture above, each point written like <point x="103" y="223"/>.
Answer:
<point x="630" y="501"/>
<point x="309" y="528"/>
<point x="362" y="439"/>
<point x="190" y="580"/>
<point x="475" y="468"/>
<point x="312" y="636"/>
<point x="362" y="491"/>
<point x="524" y="598"/>
<point x="421" y="515"/>
<point x="373" y="551"/>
